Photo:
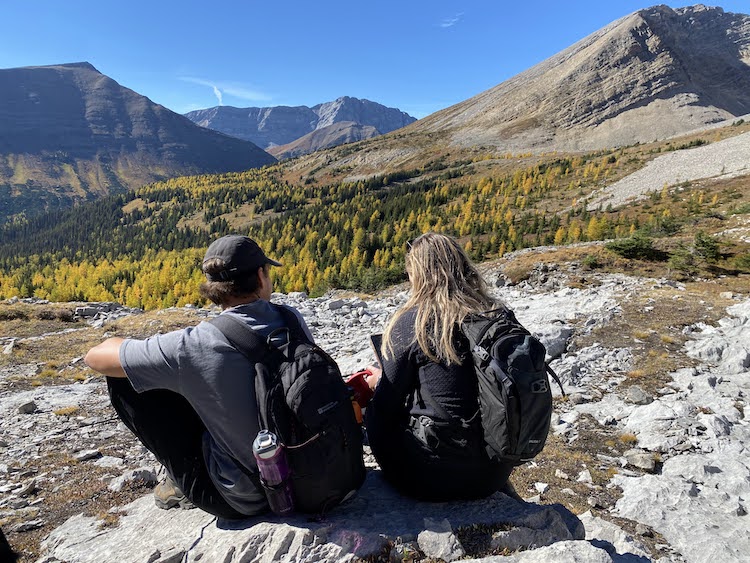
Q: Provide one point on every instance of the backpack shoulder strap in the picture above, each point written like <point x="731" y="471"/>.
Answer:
<point x="258" y="351"/>
<point x="292" y="322"/>
<point x="551" y="372"/>
<point x="476" y="335"/>
<point x="241" y="336"/>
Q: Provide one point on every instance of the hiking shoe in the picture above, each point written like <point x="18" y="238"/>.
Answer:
<point x="168" y="495"/>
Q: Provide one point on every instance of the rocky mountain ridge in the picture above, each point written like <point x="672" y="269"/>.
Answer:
<point x="329" y="136"/>
<point x="655" y="74"/>
<point x="684" y="480"/>
<point x="69" y="133"/>
<point x="270" y="127"/>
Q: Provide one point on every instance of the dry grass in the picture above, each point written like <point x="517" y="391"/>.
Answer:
<point x="629" y="439"/>
<point x="81" y="491"/>
<point x="59" y="353"/>
<point x="66" y="411"/>
<point x="15" y="319"/>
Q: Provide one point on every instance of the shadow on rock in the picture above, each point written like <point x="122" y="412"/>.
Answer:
<point x="365" y="526"/>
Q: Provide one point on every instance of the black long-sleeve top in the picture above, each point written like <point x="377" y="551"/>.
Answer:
<point x="409" y="374"/>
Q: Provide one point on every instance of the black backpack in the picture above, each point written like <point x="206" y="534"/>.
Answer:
<point x="515" y="400"/>
<point x="304" y="400"/>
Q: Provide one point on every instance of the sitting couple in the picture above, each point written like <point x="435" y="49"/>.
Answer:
<point x="190" y="399"/>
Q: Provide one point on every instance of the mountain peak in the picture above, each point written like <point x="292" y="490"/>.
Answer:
<point x="82" y="64"/>
<point x="651" y="75"/>
<point x="76" y="133"/>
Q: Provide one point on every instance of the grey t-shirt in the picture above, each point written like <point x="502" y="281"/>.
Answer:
<point x="217" y="380"/>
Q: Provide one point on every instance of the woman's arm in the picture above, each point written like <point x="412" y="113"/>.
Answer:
<point x="387" y="409"/>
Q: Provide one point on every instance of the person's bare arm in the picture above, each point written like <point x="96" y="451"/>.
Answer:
<point x="105" y="358"/>
<point x="372" y="379"/>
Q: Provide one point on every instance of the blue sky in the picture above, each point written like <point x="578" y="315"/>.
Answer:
<point x="414" y="55"/>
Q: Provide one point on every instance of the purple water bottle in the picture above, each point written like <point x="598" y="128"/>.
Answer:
<point x="274" y="471"/>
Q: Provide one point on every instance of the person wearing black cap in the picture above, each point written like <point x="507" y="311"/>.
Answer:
<point x="189" y="396"/>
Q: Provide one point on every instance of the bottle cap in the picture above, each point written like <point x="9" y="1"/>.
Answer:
<point x="265" y="445"/>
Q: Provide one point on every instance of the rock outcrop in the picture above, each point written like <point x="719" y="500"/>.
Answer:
<point x="363" y="527"/>
<point x="686" y="478"/>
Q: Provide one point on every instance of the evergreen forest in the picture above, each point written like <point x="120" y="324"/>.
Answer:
<point x="143" y="248"/>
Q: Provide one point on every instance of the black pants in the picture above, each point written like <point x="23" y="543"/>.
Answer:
<point x="429" y="469"/>
<point x="7" y="555"/>
<point x="169" y="427"/>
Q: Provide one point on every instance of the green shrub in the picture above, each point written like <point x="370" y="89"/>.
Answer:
<point x="691" y="144"/>
<point x="742" y="262"/>
<point x="638" y="247"/>
<point x="706" y="247"/>
<point x="683" y="261"/>
<point x="591" y="262"/>
<point x="741" y="210"/>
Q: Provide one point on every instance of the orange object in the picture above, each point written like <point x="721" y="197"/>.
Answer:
<point x="357" y="410"/>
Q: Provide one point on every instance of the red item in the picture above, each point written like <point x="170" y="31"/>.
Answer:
<point x="360" y="388"/>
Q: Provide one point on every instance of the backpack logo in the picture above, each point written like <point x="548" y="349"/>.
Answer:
<point x="539" y="386"/>
<point x="325" y="408"/>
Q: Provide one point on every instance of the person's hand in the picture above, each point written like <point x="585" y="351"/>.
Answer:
<point x="374" y="376"/>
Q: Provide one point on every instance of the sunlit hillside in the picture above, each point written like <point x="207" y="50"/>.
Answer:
<point x="143" y="248"/>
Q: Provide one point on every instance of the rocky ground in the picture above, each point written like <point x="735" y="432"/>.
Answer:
<point x="648" y="459"/>
<point x="716" y="161"/>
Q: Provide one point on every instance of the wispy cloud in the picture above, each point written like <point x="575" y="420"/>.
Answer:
<point x="221" y="89"/>
<point x="450" y="22"/>
<point x="218" y="95"/>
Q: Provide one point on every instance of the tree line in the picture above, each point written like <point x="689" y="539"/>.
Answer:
<point x="143" y="248"/>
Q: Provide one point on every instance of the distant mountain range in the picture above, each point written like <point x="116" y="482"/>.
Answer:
<point x="69" y="133"/>
<point x="291" y="131"/>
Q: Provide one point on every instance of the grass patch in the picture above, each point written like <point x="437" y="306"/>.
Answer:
<point x="12" y="313"/>
<point x="477" y="539"/>
<point x="22" y="320"/>
<point x="66" y="411"/>
<point x="629" y="439"/>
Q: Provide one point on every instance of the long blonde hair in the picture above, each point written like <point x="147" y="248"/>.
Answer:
<point x="445" y="288"/>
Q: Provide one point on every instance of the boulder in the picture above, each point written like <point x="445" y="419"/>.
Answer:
<point x="360" y="528"/>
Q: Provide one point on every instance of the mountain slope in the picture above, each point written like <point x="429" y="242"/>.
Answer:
<point x="653" y="74"/>
<point x="333" y="135"/>
<point x="281" y="125"/>
<point x="68" y="133"/>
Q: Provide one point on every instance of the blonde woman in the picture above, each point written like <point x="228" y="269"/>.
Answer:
<point x="423" y="421"/>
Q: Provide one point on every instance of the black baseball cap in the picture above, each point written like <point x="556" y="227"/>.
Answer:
<point x="239" y="254"/>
